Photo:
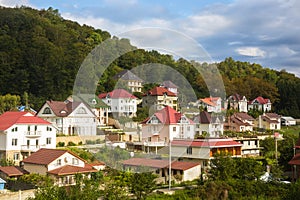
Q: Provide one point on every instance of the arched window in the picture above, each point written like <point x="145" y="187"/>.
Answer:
<point x="47" y="111"/>
<point x="81" y="111"/>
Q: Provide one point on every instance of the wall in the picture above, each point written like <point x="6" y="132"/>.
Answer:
<point x="192" y="173"/>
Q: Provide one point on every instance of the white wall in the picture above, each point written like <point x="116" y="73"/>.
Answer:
<point x="66" y="159"/>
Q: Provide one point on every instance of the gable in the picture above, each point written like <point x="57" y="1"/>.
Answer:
<point x="82" y="110"/>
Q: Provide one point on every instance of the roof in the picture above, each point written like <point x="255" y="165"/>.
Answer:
<point x="168" y="115"/>
<point x="11" y="118"/>
<point x="70" y="169"/>
<point x="210" y="100"/>
<point x="117" y="94"/>
<point x="46" y="156"/>
<point x="13" y="171"/>
<point x="238" y="121"/>
<point x="243" y="116"/>
<point x="272" y="115"/>
<point x="264" y="118"/>
<point x="155" y="163"/>
<point x="169" y="84"/>
<point x="260" y="100"/>
<point x="295" y="160"/>
<point x="288" y="118"/>
<point x="2" y="181"/>
<point x="236" y="97"/>
<point x="211" y="143"/>
<point x="127" y="75"/>
<point x="62" y="108"/>
<point x="203" y="118"/>
<point x="160" y="91"/>
<point x="93" y="101"/>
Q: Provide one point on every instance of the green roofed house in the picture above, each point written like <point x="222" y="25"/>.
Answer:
<point x="99" y="108"/>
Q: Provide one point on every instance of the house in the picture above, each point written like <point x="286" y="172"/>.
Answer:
<point x="271" y="121"/>
<point x="70" y="117"/>
<point x="237" y="102"/>
<point x="203" y="150"/>
<point x="288" y="121"/>
<point x="159" y="97"/>
<point x="163" y="126"/>
<point x="169" y="85"/>
<point x="99" y="108"/>
<point x="121" y="102"/>
<point x="211" y="104"/>
<point x="239" y="122"/>
<point x="22" y="133"/>
<point x="250" y="146"/>
<point x="12" y="172"/>
<point x="261" y="104"/>
<point x="130" y="80"/>
<point x="61" y="165"/>
<point x="186" y="171"/>
<point x="209" y="124"/>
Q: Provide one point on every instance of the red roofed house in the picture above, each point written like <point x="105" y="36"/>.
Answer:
<point x="212" y="104"/>
<point x="205" y="149"/>
<point x="159" y="97"/>
<point x="71" y="118"/>
<point x="164" y="125"/>
<point x="239" y="122"/>
<point x="62" y="165"/>
<point x="271" y="121"/>
<point x="12" y="172"/>
<point x="237" y="102"/>
<point x="22" y="133"/>
<point x="261" y="104"/>
<point x="121" y="102"/>
<point x="187" y="171"/>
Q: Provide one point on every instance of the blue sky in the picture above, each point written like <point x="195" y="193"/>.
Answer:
<point x="261" y="31"/>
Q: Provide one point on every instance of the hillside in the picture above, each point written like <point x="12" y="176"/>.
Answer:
<point x="41" y="52"/>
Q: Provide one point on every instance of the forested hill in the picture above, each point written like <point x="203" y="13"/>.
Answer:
<point x="40" y="53"/>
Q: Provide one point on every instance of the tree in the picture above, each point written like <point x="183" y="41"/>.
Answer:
<point x="142" y="184"/>
<point x="9" y="102"/>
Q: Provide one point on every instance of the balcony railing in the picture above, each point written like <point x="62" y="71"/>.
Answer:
<point x="155" y="144"/>
<point x="33" y="133"/>
<point x="33" y="148"/>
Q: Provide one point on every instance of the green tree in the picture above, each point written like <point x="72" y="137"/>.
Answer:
<point x="142" y="184"/>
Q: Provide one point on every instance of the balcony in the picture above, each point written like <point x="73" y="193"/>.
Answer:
<point x="31" y="148"/>
<point x="155" y="144"/>
<point x="33" y="134"/>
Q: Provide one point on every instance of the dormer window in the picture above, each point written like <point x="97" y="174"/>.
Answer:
<point x="47" y="111"/>
<point x="94" y="101"/>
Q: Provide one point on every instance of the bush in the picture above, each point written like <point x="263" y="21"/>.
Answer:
<point x="60" y="144"/>
<point x="70" y="143"/>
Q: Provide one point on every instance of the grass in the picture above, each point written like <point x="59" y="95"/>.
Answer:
<point x="291" y="130"/>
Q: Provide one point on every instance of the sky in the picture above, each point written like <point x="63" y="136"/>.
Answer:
<point x="266" y="32"/>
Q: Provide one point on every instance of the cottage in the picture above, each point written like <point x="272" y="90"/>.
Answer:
<point x="62" y="165"/>
<point x="209" y="124"/>
<point x="288" y="121"/>
<point x="260" y="104"/>
<point x="180" y="171"/>
<point x="271" y="121"/>
<point x="211" y="104"/>
<point x="22" y="133"/>
<point x="237" y="102"/>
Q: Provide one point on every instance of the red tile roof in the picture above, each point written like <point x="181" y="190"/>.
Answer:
<point x="168" y="115"/>
<point x="260" y="100"/>
<point x="117" y="94"/>
<point x="70" y="169"/>
<point x="11" y="171"/>
<point x="210" y="100"/>
<point x="159" y="91"/>
<point x="155" y="163"/>
<point x="46" y="156"/>
<point x="211" y="143"/>
<point x="295" y="160"/>
<point x="8" y="119"/>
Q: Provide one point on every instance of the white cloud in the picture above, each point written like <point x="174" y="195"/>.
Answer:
<point x="14" y="3"/>
<point x="251" y="51"/>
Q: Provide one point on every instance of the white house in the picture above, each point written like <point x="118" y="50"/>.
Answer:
<point x="212" y="104"/>
<point x="60" y="164"/>
<point x="169" y="85"/>
<point x="260" y="103"/>
<point x="132" y="81"/>
<point x="250" y="146"/>
<point x="121" y="102"/>
<point x="239" y="122"/>
<point x="270" y="121"/>
<point x="71" y="118"/>
<point x="237" y="102"/>
<point x="163" y="126"/>
<point x="22" y="133"/>
<point x="209" y="123"/>
<point x="288" y="121"/>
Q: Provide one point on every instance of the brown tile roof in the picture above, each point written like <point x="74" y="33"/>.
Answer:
<point x="61" y="108"/>
<point x="70" y="169"/>
<point x="264" y="118"/>
<point x="272" y="115"/>
<point x="244" y="116"/>
<point x="159" y="91"/>
<point x="211" y="143"/>
<point x="46" y="156"/>
<point x="295" y="160"/>
<point x="117" y="94"/>
<point x="153" y="163"/>
<point x="11" y="171"/>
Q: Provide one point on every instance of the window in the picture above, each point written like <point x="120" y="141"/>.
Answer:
<point x="48" y="140"/>
<point x="37" y="142"/>
<point x="16" y="156"/>
<point x="75" y="161"/>
<point x="188" y="128"/>
<point x="47" y="111"/>
<point x="81" y="111"/>
<point x="189" y="150"/>
<point x="49" y="128"/>
<point x="28" y="142"/>
<point x="174" y="128"/>
<point x="14" y="129"/>
<point x="59" y="162"/>
<point x="14" y="142"/>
